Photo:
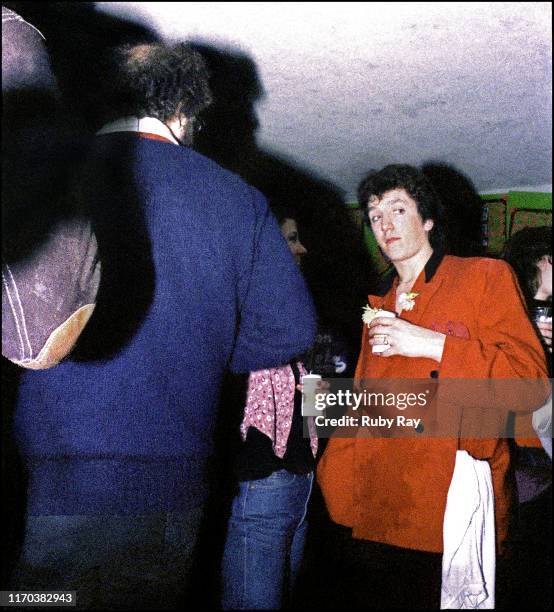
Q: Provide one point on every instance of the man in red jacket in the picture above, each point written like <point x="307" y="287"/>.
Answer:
<point x="457" y="318"/>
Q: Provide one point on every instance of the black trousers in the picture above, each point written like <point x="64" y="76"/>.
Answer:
<point x="363" y="575"/>
<point x="524" y="574"/>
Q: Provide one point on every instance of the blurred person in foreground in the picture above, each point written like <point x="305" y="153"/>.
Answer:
<point x="118" y="438"/>
<point x="50" y="267"/>
<point x="460" y="318"/>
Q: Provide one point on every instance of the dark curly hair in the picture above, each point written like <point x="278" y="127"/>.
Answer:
<point x="419" y="188"/>
<point x="155" y="80"/>
<point x="523" y="251"/>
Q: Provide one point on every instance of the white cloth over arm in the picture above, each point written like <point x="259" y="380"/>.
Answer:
<point x="469" y="561"/>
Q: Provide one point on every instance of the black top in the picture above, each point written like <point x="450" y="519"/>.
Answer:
<point x="256" y="458"/>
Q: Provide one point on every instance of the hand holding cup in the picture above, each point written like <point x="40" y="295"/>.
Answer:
<point x="542" y="315"/>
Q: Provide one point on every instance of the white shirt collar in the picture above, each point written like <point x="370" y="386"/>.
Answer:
<point x="150" y="125"/>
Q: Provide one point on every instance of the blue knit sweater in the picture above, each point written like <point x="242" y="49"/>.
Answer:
<point x="196" y="277"/>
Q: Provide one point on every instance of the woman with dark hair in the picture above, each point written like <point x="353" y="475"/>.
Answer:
<point x="529" y="252"/>
<point x="275" y="468"/>
<point x="387" y="492"/>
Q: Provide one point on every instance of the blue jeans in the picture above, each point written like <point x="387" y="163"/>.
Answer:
<point x="265" y="541"/>
<point x="112" y="562"/>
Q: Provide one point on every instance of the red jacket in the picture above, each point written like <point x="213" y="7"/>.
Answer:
<point x="394" y="490"/>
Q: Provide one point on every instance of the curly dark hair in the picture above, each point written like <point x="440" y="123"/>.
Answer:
<point x="523" y="251"/>
<point x="155" y="80"/>
<point x="419" y="188"/>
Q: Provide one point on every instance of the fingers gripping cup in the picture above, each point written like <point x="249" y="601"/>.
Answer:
<point x="382" y="338"/>
<point x="309" y="390"/>
<point x="368" y="316"/>
<point x="542" y="314"/>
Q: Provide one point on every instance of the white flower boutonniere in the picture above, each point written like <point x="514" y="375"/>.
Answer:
<point x="370" y="314"/>
<point x="406" y="301"/>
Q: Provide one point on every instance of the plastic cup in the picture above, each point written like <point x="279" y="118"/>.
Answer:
<point x="541" y="313"/>
<point x="309" y="389"/>
<point x="379" y="348"/>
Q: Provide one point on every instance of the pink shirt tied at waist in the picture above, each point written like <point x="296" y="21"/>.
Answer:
<point x="270" y="406"/>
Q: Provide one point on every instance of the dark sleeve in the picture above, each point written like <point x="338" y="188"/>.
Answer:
<point x="277" y="316"/>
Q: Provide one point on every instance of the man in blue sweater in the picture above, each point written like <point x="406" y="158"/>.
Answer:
<point x="196" y="278"/>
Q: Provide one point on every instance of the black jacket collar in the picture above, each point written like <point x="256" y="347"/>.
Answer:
<point x="430" y="269"/>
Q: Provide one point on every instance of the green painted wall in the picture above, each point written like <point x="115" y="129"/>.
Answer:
<point x="522" y="199"/>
